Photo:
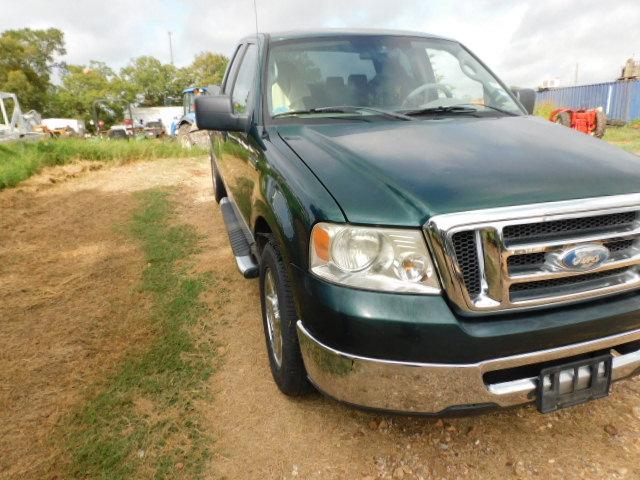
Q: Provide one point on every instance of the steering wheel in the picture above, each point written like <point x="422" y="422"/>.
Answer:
<point x="409" y="100"/>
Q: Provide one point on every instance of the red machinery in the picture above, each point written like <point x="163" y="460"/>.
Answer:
<point x="591" y="122"/>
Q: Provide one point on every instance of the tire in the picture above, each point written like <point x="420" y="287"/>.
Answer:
<point x="184" y="137"/>
<point x="564" y="118"/>
<point x="601" y="124"/>
<point x="285" y="360"/>
<point x="219" y="192"/>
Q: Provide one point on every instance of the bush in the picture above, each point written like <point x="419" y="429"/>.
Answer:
<point x="20" y="160"/>
<point x="544" y="109"/>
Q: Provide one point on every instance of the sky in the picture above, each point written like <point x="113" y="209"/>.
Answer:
<point x="523" y="41"/>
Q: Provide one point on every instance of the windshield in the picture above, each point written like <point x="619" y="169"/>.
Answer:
<point x="393" y="73"/>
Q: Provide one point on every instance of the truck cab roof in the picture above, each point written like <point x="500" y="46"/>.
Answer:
<point x="337" y="32"/>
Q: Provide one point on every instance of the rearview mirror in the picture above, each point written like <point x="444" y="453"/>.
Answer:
<point x="527" y="98"/>
<point x="215" y="112"/>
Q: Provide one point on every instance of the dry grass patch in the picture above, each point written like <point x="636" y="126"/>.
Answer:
<point x="143" y="421"/>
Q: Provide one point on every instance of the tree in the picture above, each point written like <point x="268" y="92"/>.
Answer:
<point x="162" y="84"/>
<point x="81" y="85"/>
<point x="17" y="82"/>
<point x="207" y="68"/>
<point x="27" y="58"/>
<point x="150" y="79"/>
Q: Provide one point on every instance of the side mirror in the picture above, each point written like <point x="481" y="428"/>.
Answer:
<point x="215" y="112"/>
<point x="214" y="89"/>
<point x="527" y="98"/>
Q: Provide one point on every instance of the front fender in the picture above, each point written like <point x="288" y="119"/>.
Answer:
<point x="291" y="200"/>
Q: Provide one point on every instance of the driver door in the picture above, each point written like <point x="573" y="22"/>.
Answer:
<point x="237" y="152"/>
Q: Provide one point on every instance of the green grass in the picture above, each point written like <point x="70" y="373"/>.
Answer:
<point x="112" y="438"/>
<point x="627" y="137"/>
<point x="20" y="160"/>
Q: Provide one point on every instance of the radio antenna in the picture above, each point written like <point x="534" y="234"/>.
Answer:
<point x="255" y="11"/>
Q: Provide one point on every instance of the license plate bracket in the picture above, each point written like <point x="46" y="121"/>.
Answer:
<point x="573" y="383"/>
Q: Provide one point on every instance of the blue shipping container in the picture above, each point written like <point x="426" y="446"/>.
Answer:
<point x="620" y="100"/>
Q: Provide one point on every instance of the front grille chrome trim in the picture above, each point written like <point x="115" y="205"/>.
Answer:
<point x="494" y="253"/>
<point x="514" y="279"/>
<point x="536" y="247"/>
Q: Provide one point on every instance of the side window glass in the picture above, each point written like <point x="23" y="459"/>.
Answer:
<point x="231" y="73"/>
<point x="244" y="81"/>
<point x="186" y="104"/>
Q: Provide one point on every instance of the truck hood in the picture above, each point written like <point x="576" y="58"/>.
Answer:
<point x="402" y="173"/>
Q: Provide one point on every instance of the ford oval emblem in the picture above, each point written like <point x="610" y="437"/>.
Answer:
<point x="579" y="259"/>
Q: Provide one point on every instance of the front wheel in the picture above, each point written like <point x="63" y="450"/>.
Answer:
<point x="279" y="321"/>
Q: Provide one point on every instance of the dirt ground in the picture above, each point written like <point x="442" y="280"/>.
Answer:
<point x="68" y="309"/>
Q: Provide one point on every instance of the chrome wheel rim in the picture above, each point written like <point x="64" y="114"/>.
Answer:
<point x="272" y="312"/>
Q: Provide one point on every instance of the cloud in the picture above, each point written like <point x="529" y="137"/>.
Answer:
<point x="523" y="41"/>
<point x="555" y="36"/>
<point x="112" y="32"/>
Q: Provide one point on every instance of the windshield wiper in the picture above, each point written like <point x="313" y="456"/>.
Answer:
<point x="497" y="109"/>
<point x="343" y="109"/>
<point x="440" y="109"/>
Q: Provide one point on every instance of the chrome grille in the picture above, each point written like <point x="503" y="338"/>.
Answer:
<point x="522" y="262"/>
<point x="498" y="259"/>
<point x="574" y="226"/>
<point x="619" y="246"/>
<point x="528" y="261"/>
<point x="543" y="287"/>
<point x="464" y="244"/>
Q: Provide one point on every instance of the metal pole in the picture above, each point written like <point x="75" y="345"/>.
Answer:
<point x="94" y="111"/>
<point x="170" y="48"/>
<point x="255" y="12"/>
<point x="133" y="126"/>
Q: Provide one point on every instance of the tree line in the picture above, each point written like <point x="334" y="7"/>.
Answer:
<point x="29" y="64"/>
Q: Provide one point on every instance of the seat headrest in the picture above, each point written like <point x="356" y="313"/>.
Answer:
<point x="335" y="82"/>
<point x="357" y="80"/>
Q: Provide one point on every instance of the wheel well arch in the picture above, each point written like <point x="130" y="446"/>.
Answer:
<point x="274" y="217"/>
<point x="261" y="230"/>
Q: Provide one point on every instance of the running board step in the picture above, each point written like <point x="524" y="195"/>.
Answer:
<point x="238" y="240"/>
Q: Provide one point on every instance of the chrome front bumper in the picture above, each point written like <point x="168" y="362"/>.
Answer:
<point x="431" y="388"/>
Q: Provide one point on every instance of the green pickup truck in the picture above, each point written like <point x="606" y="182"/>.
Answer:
<point x="423" y="244"/>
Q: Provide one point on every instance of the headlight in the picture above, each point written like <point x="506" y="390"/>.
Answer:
<point x="385" y="259"/>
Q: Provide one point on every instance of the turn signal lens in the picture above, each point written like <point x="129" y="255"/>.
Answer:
<point x="321" y="243"/>
<point x="413" y="268"/>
